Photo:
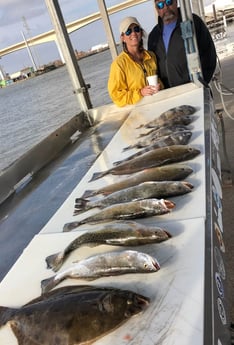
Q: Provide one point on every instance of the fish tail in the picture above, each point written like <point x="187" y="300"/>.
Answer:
<point x="72" y="225"/>
<point x="80" y="205"/>
<point x="98" y="175"/>
<point x="142" y="125"/>
<point x="48" y="284"/>
<point x="55" y="261"/>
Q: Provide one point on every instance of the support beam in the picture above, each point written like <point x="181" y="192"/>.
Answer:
<point x="80" y="89"/>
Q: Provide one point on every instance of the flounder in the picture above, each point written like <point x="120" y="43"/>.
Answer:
<point x="72" y="315"/>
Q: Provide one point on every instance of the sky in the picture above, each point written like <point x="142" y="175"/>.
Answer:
<point x="31" y="18"/>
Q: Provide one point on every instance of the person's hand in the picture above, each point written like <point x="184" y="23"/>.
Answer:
<point x="150" y="90"/>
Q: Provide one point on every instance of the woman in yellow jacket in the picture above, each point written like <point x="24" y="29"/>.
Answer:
<point x="127" y="82"/>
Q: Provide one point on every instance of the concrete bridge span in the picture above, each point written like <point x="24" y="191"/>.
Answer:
<point x="71" y="27"/>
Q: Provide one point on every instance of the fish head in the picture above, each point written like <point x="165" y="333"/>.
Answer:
<point x="149" y="263"/>
<point x="185" y="136"/>
<point x="125" y="303"/>
<point x="193" y="151"/>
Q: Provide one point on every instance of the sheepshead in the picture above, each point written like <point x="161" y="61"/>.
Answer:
<point x="156" y="157"/>
<point x="176" y="120"/>
<point x="157" y="135"/>
<point x="183" y="111"/>
<point x="171" y="172"/>
<point x="178" y="138"/>
<point x="126" y="210"/>
<point x="60" y="316"/>
<point x="104" y="265"/>
<point x="162" y="131"/>
<point x="145" y="190"/>
<point x="126" y="233"/>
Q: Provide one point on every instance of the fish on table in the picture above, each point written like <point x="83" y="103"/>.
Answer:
<point x="144" y="190"/>
<point x="183" y="111"/>
<point x="104" y="265"/>
<point x="128" y="233"/>
<point x="170" y="172"/>
<point x="156" y="157"/>
<point x="126" y="210"/>
<point x="178" y="138"/>
<point x="162" y="131"/>
<point x="60" y="316"/>
<point x="176" y="120"/>
<point x="154" y="137"/>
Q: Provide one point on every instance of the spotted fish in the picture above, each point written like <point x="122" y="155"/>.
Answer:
<point x="128" y="233"/>
<point x="104" y="265"/>
<point x="156" y="157"/>
<point x="171" y="172"/>
<point x="126" y="210"/>
<point x="144" y="190"/>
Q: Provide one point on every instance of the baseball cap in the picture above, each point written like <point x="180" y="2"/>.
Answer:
<point x="126" y="22"/>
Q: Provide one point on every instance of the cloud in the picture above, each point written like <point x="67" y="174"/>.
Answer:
<point x="12" y="11"/>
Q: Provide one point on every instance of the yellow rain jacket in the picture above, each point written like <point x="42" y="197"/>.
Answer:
<point x="128" y="77"/>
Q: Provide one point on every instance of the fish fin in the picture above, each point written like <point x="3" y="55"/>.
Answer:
<point x="55" y="261"/>
<point x="5" y="315"/>
<point x="22" y="338"/>
<point x="142" y="125"/>
<point x="128" y="147"/>
<point x="48" y="284"/>
<point x="117" y="163"/>
<point x="98" y="175"/>
<point x="70" y="226"/>
<point x="89" y="193"/>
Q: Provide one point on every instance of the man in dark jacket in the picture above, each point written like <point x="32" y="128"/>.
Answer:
<point x="166" y="41"/>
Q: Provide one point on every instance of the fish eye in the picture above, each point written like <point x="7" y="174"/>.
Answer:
<point x="146" y="265"/>
<point x="129" y="301"/>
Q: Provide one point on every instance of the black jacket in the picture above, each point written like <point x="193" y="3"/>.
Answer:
<point x="172" y="66"/>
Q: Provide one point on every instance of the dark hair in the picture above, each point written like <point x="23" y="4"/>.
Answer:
<point x="125" y="48"/>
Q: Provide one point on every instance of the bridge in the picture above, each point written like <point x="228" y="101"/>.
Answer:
<point x="71" y="27"/>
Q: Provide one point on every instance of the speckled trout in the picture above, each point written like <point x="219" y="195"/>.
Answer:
<point x="145" y="190"/>
<point x="126" y="210"/>
<point x="171" y="172"/>
<point x="128" y="233"/>
<point x="105" y="265"/>
<point x="179" y="138"/>
<point x="156" y="157"/>
<point x="60" y="316"/>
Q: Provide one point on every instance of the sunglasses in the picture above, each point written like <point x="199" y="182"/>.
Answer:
<point x="160" y="5"/>
<point x="135" y="29"/>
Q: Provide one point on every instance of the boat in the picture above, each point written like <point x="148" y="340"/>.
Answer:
<point x="188" y="300"/>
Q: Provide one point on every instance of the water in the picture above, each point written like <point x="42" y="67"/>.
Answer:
<point x="32" y="109"/>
